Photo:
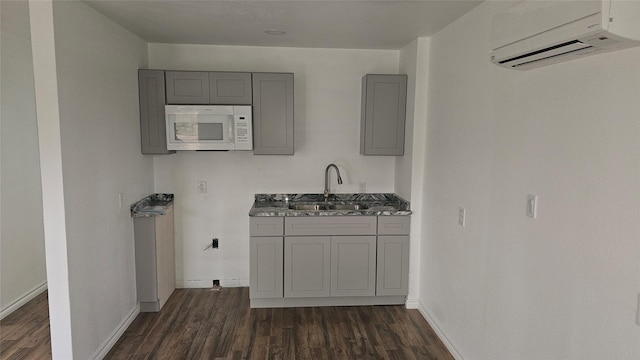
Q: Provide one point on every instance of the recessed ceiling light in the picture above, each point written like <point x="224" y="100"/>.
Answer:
<point x="274" y="32"/>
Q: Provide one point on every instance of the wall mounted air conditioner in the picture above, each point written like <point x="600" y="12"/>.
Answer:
<point x="536" y="33"/>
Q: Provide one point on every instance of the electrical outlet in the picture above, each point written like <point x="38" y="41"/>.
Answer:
<point x="120" y="196"/>
<point x="216" y="282"/>
<point x="202" y="187"/>
<point x="461" y="216"/>
<point x="362" y="187"/>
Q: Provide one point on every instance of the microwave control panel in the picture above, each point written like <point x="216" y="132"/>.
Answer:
<point x="242" y="128"/>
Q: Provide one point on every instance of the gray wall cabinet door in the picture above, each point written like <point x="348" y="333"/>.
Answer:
<point x="229" y="88"/>
<point x="307" y="265"/>
<point x="393" y="265"/>
<point x="187" y="87"/>
<point x="382" y="124"/>
<point x="266" y="277"/>
<point x="353" y="265"/>
<point x="273" y="114"/>
<point x="153" y="132"/>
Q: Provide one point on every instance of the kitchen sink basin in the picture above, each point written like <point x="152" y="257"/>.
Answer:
<point x="320" y="207"/>
<point x="316" y="207"/>
<point x="348" y="207"/>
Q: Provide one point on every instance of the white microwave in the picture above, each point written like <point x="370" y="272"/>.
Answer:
<point x="209" y="127"/>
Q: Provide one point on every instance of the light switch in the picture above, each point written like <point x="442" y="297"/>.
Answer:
<point x="532" y="206"/>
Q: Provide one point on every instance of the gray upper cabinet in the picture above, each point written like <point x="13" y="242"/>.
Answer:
<point x="273" y="114"/>
<point x="382" y="124"/>
<point x="153" y="132"/>
<point x="230" y="88"/>
<point x="187" y="87"/>
<point x="208" y="88"/>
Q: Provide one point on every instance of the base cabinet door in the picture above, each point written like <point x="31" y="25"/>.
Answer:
<point x="353" y="265"/>
<point x="307" y="266"/>
<point x="266" y="267"/>
<point x="393" y="265"/>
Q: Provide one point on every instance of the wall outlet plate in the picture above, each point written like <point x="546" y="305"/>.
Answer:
<point x="532" y="206"/>
<point x="462" y="216"/>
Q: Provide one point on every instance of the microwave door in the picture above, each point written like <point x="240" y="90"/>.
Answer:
<point x="200" y="132"/>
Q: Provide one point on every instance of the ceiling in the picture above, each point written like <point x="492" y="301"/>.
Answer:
<point x="316" y="24"/>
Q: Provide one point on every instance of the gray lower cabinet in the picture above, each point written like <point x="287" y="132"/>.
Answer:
<point x="155" y="260"/>
<point x="153" y="133"/>
<point x="273" y="114"/>
<point x="383" y="113"/>
<point x="307" y="266"/>
<point x="393" y="265"/>
<point x="329" y="260"/>
<point x="353" y="266"/>
<point x="266" y="250"/>
<point x="266" y="267"/>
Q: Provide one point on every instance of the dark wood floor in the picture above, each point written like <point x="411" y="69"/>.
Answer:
<point x="24" y="334"/>
<point x="208" y="324"/>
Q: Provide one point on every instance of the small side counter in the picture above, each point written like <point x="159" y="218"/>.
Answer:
<point x="155" y="250"/>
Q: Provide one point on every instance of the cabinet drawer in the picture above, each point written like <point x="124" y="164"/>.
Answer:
<point x="265" y="226"/>
<point x="393" y="225"/>
<point x="330" y="225"/>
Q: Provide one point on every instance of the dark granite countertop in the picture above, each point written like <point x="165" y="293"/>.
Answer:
<point x="372" y="205"/>
<point x="152" y="205"/>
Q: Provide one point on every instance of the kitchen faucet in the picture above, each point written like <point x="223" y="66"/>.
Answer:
<point x="326" y="179"/>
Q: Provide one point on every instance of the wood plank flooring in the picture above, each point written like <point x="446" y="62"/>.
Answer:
<point x="209" y="324"/>
<point x="24" y="334"/>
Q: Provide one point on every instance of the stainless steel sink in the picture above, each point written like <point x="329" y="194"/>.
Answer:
<point x="320" y="207"/>
<point x="348" y="207"/>
<point x="316" y="207"/>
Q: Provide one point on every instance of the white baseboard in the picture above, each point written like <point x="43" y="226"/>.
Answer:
<point x="412" y="303"/>
<point x="116" y="334"/>
<point x="207" y="283"/>
<point x="435" y="326"/>
<point x="23" y="300"/>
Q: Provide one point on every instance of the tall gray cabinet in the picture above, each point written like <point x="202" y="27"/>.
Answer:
<point x="383" y="113"/>
<point x="273" y="114"/>
<point x="153" y="133"/>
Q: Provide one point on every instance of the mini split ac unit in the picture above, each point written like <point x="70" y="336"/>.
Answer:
<point x="536" y="33"/>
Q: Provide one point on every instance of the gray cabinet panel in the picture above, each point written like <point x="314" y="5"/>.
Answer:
<point x="229" y="88"/>
<point x="266" y="226"/>
<point x="187" y="87"/>
<point x="266" y="271"/>
<point x="273" y="114"/>
<point x="393" y="265"/>
<point x="307" y="266"/>
<point x="394" y="225"/>
<point x="330" y="225"/>
<point x="382" y="126"/>
<point x="153" y="133"/>
<point x="353" y="265"/>
<point x="155" y="260"/>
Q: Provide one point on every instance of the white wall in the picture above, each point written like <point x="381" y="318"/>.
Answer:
<point x="563" y="286"/>
<point x="327" y="126"/>
<point x="96" y="67"/>
<point x="409" y="169"/>
<point x="22" y="263"/>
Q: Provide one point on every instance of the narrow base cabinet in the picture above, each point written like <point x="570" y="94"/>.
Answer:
<point x="328" y="261"/>
<point x="155" y="260"/>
